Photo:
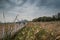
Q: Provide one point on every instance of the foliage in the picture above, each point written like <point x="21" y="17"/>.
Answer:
<point x="27" y="33"/>
<point x="34" y="33"/>
<point x="45" y="18"/>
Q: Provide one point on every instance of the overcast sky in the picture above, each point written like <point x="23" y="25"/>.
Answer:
<point x="28" y="9"/>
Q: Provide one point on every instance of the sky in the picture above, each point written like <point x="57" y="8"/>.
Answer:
<point x="27" y="9"/>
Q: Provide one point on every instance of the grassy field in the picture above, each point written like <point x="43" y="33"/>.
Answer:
<point x="39" y="31"/>
<point x="8" y="29"/>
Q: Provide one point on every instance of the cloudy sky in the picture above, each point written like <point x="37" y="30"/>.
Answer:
<point x="28" y="9"/>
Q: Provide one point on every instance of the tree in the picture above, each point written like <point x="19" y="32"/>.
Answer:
<point x="58" y="16"/>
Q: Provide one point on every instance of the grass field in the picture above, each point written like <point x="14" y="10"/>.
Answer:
<point x="39" y="31"/>
<point x="8" y="29"/>
<point x="33" y="31"/>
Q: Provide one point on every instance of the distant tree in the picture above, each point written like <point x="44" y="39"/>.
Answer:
<point x="54" y="18"/>
<point x="34" y="20"/>
<point x="58" y="16"/>
<point x="45" y="18"/>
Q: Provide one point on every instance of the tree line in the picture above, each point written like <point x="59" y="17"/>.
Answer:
<point x="45" y="18"/>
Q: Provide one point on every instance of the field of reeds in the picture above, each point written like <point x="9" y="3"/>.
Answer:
<point x="39" y="31"/>
<point x="30" y="31"/>
<point x="7" y="30"/>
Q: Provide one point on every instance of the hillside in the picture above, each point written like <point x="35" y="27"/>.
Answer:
<point x="39" y="31"/>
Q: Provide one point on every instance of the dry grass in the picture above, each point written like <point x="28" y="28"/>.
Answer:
<point x="39" y="31"/>
<point x="55" y="25"/>
<point x="8" y="28"/>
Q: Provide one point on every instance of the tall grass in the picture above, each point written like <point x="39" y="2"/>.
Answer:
<point x="8" y="28"/>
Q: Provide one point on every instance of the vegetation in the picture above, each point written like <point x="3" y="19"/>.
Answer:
<point x="33" y="31"/>
<point x="45" y="18"/>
